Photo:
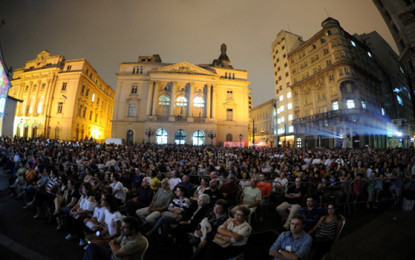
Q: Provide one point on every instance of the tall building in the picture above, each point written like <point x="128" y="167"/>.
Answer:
<point x="396" y="95"/>
<point x="182" y="103"/>
<point x="282" y="45"/>
<point x="337" y="86"/>
<point x="264" y="119"/>
<point x="62" y="99"/>
<point x="399" y="16"/>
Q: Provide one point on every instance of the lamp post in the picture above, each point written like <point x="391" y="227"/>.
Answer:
<point x="253" y="133"/>
<point x="240" y="140"/>
<point x="262" y="134"/>
<point x="212" y="135"/>
<point x="149" y="132"/>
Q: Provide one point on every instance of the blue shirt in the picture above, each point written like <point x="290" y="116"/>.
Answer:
<point x="312" y="216"/>
<point x="300" y="246"/>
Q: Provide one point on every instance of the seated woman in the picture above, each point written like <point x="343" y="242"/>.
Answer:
<point x="112" y="218"/>
<point x="207" y="228"/>
<point x="232" y="236"/>
<point x="326" y="231"/>
<point x="204" y="183"/>
<point x="83" y="209"/>
<point x="191" y="220"/>
<point x="48" y="195"/>
<point x="173" y="214"/>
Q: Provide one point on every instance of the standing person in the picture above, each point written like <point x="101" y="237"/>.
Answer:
<point x="293" y="244"/>
<point x="293" y="201"/>
<point x="266" y="189"/>
<point x="129" y="245"/>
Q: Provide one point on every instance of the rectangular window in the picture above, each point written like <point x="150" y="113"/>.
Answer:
<point x="64" y="86"/>
<point x="288" y="94"/>
<point x="134" y="89"/>
<point x="98" y="101"/>
<point x="68" y="68"/>
<point x="43" y="87"/>
<point x="290" y="117"/>
<point x="60" y="108"/>
<point x="335" y="105"/>
<point x="290" y="106"/>
<point x="229" y="114"/>
<point x="93" y="97"/>
<point x="83" y="90"/>
<point x="131" y="109"/>
<point x="87" y="92"/>
<point x="350" y="104"/>
<point x="90" y="116"/>
<point x="281" y="97"/>
<point x="331" y="77"/>
<point x="34" y="88"/>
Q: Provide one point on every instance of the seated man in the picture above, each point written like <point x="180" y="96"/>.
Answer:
<point x="230" y="190"/>
<point x="160" y="202"/>
<point x="250" y="198"/>
<point x="142" y="199"/>
<point x="213" y="191"/>
<point x="312" y="213"/>
<point x="293" y="244"/>
<point x="129" y="245"/>
<point x="293" y="200"/>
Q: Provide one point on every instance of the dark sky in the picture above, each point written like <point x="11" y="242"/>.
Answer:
<point x="108" y="32"/>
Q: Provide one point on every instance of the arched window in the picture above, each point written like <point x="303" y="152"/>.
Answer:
<point x="181" y="101"/>
<point x="180" y="137"/>
<point x="164" y="101"/>
<point x="198" y="101"/>
<point x="161" y="136"/>
<point x="130" y="137"/>
<point x="198" y="137"/>
<point x="229" y="138"/>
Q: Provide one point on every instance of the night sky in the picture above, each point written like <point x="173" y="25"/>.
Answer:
<point x="109" y="32"/>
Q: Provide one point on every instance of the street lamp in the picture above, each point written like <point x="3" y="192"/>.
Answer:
<point x="149" y="132"/>
<point x="240" y="140"/>
<point x="212" y="135"/>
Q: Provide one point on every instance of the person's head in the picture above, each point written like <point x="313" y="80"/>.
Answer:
<point x="242" y="214"/>
<point x="253" y="182"/>
<point x="185" y="178"/>
<point x="180" y="190"/>
<point x="165" y="184"/>
<point x="130" y="226"/>
<point x="108" y="201"/>
<point x="220" y="206"/>
<point x="203" y="200"/>
<point x="331" y="209"/>
<point x="262" y="177"/>
<point x="298" y="181"/>
<point x="231" y="178"/>
<point x="86" y="189"/>
<point x="145" y="182"/>
<point x="203" y="182"/>
<point x="310" y="202"/>
<point x="213" y="184"/>
<point x="115" y="177"/>
<point x="71" y="184"/>
<point x="297" y="224"/>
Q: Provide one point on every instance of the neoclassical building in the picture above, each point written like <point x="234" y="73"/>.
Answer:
<point x="181" y="103"/>
<point x="62" y="99"/>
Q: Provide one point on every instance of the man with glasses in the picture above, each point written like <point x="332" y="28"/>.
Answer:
<point x="129" y="245"/>
<point x="293" y="200"/>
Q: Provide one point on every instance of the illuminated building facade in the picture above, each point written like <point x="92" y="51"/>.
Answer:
<point x="264" y="119"/>
<point x="181" y="103"/>
<point x="62" y="99"/>
<point x="337" y="88"/>
<point x="399" y="16"/>
<point x="282" y="45"/>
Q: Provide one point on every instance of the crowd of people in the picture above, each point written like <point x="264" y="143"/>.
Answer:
<point x="201" y="198"/>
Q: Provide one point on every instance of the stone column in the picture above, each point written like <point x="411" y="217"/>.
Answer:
<point x="155" y="93"/>
<point x="172" y="98"/>
<point x="149" y="99"/>
<point x="213" y="101"/>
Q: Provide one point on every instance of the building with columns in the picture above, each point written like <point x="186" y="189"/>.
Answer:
<point x="181" y="103"/>
<point x="61" y="99"/>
